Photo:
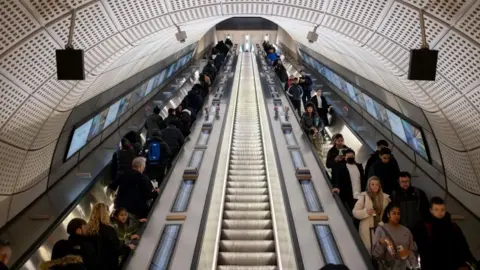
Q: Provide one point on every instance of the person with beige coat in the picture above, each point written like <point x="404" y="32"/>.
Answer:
<point x="369" y="209"/>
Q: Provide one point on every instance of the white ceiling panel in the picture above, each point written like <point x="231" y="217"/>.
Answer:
<point x="35" y="167"/>
<point x="15" y="23"/>
<point x="50" y="130"/>
<point x="463" y="173"/>
<point x="443" y="130"/>
<point x="447" y="11"/>
<point x="30" y="63"/>
<point x="470" y="22"/>
<point x="11" y="97"/>
<point x="53" y="91"/>
<point x="11" y="159"/>
<point x="465" y="120"/>
<point x="75" y="94"/>
<point x="442" y="91"/>
<point x="364" y="12"/>
<point x="46" y="11"/>
<point x="353" y="30"/>
<point x="132" y="12"/>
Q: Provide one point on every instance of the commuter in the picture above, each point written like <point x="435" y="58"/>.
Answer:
<point x="222" y="48"/>
<point x="413" y="202"/>
<point x="387" y="170"/>
<point x="369" y="210"/>
<point x="440" y="241"/>
<point x="311" y="125"/>
<point x="158" y="157"/>
<point x="375" y="156"/>
<point x="228" y="42"/>
<point x="186" y="119"/>
<point x="75" y="253"/>
<point x="184" y="107"/>
<point x="122" y="160"/>
<point x="349" y="179"/>
<point x="173" y="137"/>
<point x="295" y="93"/>
<point x="210" y="70"/>
<point x="205" y="84"/>
<point x="393" y="245"/>
<point x="219" y="60"/>
<point x="126" y="225"/>
<point x="322" y="106"/>
<point x="335" y="154"/>
<point x="281" y="72"/>
<point x="289" y="82"/>
<point x="5" y="254"/>
<point x="154" y="121"/>
<point x="194" y="98"/>
<point x="306" y="83"/>
<point x="109" y="247"/>
<point x="170" y="118"/>
<point x="136" y="191"/>
<point x="271" y="56"/>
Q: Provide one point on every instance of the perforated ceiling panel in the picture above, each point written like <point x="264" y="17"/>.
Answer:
<point x="123" y="37"/>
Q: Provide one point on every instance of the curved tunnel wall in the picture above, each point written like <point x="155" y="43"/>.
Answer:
<point x="370" y="37"/>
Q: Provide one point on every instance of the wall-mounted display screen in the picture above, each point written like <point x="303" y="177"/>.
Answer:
<point x="97" y="124"/>
<point x="398" y="126"/>
<point x="150" y="86"/>
<point x="94" y="126"/>
<point x="112" y="113"/>
<point x="370" y="106"/>
<point x="415" y="138"/>
<point x="170" y="70"/>
<point x="79" y="138"/>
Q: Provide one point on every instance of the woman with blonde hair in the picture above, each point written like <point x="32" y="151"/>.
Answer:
<point x="369" y="209"/>
<point x="109" y="247"/>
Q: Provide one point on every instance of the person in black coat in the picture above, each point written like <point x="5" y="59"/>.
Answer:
<point x="105" y="238"/>
<point x="194" y="98"/>
<point x="170" y="118"/>
<point x="335" y="154"/>
<point x="348" y="179"/>
<point x="281" y="72"/>
<point x="441" y="243"/>
<point x="136" y="190"/>
<point x="156" y="169"/>
<point x="5" y="254"/>
<point x="122" y="162"/>
<point x="173" y="137"/>
<point x="75" y="253"/>
<point x="321" y="105"/>
<point x="306" y="83"/>
<point x="387" y="170"/>
<point x="375" y="156"/>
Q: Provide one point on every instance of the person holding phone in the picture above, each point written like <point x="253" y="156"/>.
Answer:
<point x="393" y="245"/>
<point x="335" y="154"/>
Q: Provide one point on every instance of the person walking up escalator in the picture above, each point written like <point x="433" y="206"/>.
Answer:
<point x="306" y="84"/>
<point x="295" y="93"/>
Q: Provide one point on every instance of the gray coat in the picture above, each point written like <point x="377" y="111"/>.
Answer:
<point x="154" y="121"/>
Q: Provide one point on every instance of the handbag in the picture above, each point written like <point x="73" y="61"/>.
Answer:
<point x="386" y="264"/>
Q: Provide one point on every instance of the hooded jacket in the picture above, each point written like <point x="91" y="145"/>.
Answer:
<point x="194" y="99"/>
<point x="173" y="137"/>
<point x="374" y="157"/>
<point x="414" y="206"/>
<point x="442" y="245"/>
<point x="154" y="121"/>
<point x="388" y="174"/>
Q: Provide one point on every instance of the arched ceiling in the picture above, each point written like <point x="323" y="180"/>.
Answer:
<point x="123" y="37"/>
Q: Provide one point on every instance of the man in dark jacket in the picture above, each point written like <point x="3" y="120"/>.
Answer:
<point x="170" y="118"/>
<point x="156" y="169"/>
<point x="218" y="60"/>
<point x="281" y="72"/>
<point x="321" y="105"/>
<point x="173" y="137"/>
<point x="194" y="98"/>
<point x="375" y="156"/>
<point x="154" y="121"/>
<point x="75" y="253"/>
<point x="440" y="242"/>
<point x="335" y="155"/>
<point x="306" y="83"/>
<point x="295" y="93"/>
<point x="348" y="179"/>
<point x="136" y="190"/>
<point x="5" y="254"/>
<point x="413" y="202"/>
<point x="387" y="170"/>
<point x="122" y="161"/>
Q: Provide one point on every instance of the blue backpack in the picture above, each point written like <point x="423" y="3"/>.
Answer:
<point x="154" y="153"/>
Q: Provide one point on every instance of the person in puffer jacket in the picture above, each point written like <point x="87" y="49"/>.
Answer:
<point x="194" y="98"/>
<point x="310" y="121"/>
<point x="173" y="137"/>
<point x="187" y="120"/>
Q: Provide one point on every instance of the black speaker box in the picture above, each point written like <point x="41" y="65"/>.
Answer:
<point x="70" y="64"/>
<point x="423" y="65"/>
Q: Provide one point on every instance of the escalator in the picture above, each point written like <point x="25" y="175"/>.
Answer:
<point x="247" y="239"/>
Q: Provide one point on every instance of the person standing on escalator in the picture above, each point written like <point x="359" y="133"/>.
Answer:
<point x="295" y="93"/>
<point x="122" y="162"/>
<point x="306" y="83"/>
<point x="154" y="121"/>
<point x="322" y="106"/>
<point x="158" y="157"/>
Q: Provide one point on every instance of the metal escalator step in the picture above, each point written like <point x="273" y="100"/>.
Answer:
<point x="255" y="224"/>
<point x="252" y="214"/>
<point x="250" y="267"/>
<point x="247" y="184"/>
<point x="242" y="206"/>
<point x="246" y="172"/>
<point x="246" y="148"/>
<point x="247" y="178"/>
<point x="240" y="157"/>
<point x="246" y="198"/>
<point x="247" y="234"/>
<point x="247" y="167"/>
<point x="246" y="162"/>
<point x="250" y="258"/>
<point x="247" y="191"/>
<point x="247" y="246"/>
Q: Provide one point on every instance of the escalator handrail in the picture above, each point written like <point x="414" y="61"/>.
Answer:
<point x="343" y="210"/>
